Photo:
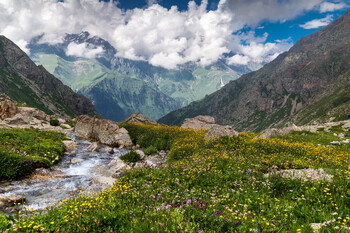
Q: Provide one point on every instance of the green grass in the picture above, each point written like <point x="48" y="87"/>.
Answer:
<point x="318" y="138"/>
<point x="210" y="186"/>
<point x="23" y="150"/>
<point x="131" y="157"/>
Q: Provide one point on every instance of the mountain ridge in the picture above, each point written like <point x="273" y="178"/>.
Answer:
<point x="281" y="91"/>
<point x="23" y="81"/>
<point x="168" y="89"/>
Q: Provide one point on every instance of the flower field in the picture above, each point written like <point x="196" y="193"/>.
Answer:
<point x="209" y="186"/>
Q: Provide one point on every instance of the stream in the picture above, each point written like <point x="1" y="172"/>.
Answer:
<point x="42" y="192"/>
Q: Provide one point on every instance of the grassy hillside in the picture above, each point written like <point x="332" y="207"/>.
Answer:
<point x="23" y="150"/>
<point x="210" y="186"/>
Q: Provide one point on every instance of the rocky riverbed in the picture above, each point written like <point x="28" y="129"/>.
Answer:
<point x="75" y="172"/>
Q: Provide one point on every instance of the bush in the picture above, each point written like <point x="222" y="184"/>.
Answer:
<point x="130" y="157"/>
<point x="54" y="122"/>
<point x="151" y="150"/>
<point x="71" y="123"/>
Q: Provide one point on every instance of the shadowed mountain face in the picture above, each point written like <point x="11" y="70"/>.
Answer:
<point x="23" y="81"/>
<point x="309" y="82"/>
<point x="133" y="86"/>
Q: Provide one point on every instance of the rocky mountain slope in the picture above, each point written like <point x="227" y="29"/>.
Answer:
<point x="153" y="91"/>
<point x="25" y="82"/>
<point x="309" y="82"/>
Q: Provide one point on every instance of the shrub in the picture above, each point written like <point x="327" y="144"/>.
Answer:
<point x="130" y="157"/>
<point x="54" y="122"/>
<point x="71" y="123"/>
<point x="150" y="150"/>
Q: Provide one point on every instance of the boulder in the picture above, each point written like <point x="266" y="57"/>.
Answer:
<point x="141" y="153"/>
<point x="33" y="113"/>
<point x="348" y="132"/>
<point x="102" y="130"/>
<point x="199" y="122"/>
<point x="66" y="126"/>
<point x="17" y="120"/>
<point x="7" y="108"/>
<point x="93" y="147"/>
<point x="27" y="116"/>
<point x="70" y="145"/>
<point x="61" y="121"/>
<point x="122" y="138"/>
<point x="139" y="118"/>
<point x="104" y="181"/>
<point x="218" y="131"/>
<point x="76" y="160"/>
<point x="117" y="165"/>
<point x="43" y="173"/>
<point x="10" y="200"/>
<point x="108" y="150"/>
<point x="84" y="127"/>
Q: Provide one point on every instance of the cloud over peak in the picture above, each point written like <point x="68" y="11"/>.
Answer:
<point x="317" y="23"/>
<point x="163" y="37"/>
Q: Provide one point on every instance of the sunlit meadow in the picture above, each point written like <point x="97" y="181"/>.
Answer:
<point x="208" y="186"/>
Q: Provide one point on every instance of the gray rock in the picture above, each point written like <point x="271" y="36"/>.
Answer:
<point x="10" y="200"/>
<point x="104" y="131"/>
<point x="70" y="145"/>
<point x="66" y="126"/>
<point x="304" y="174"/>
<point x="109" y="150"/>
<point x="103" y="180"/>
<point x="199" y="122"/>
<point x="76" y="160"/>
<point x="217" y="131"/>
<point x="117" y="165"/>
<point x="93" y="147"/>
<point x="141" y="153"/>
<point x="122" y="138"/>
<point x="7" y="108"/>
<point x="139" y="118"/>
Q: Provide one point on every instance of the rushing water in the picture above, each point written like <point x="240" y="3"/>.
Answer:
<point x="42" y="192"/>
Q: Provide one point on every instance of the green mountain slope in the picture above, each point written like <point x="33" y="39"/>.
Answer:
<point x="307" y="83"/>
<point x="23" y="81"/>
<point x="118" y="96"/>
<point x="186" y="84"/>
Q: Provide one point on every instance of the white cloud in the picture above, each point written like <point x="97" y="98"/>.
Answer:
<point x="238" y="60"/>
<point x="330" y="7"/>
<point x="163" y="37"/>
<point x="83" y="50"/>
<point x="254" y="11"/>
<point x="317" y="23"/>
<point x="259" y="52"/>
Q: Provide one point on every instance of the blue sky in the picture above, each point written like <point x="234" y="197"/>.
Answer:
<point x="276" y="30"/>
<point x="251" y="31"/>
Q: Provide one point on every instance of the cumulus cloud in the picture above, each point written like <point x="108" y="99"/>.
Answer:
<point x="317" y="23"/>
<point x="330" y="7"/>
<point x="163" y="37"/>
<point x="259" y="52"/>
<point x="252" y="12"/>
<point x="83" y="50"/>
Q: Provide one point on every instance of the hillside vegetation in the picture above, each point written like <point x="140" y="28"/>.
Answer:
<point x="23" y="150"/>
<point x="210" y="186"/>
<point x="308" y="83"/>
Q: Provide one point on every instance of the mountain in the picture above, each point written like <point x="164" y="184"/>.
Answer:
<point x="153" y="91"/>
<point x="309" y="82"/>
<point x="23" y="81"/>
